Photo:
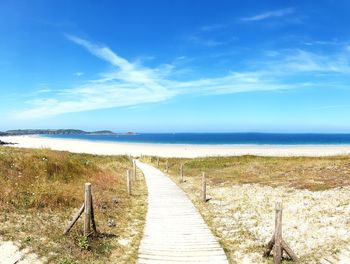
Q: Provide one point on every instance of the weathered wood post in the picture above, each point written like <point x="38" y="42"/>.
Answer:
<point x="134" y="170"/>
<point x="87" y="209"/>
<point x="277" y="253"/>
<point x="277" y="243"/>
<point x="157" y="162"/>
<point x="75" y="219"/>
<point x="182" y="172"/>
<point x="128" y="182"/>
<point x="204" y="187"/>
<point x="166" y="166"/>
<point x="93" y="223"/>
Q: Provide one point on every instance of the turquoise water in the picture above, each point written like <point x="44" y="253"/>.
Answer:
<point x="220" y="138"/>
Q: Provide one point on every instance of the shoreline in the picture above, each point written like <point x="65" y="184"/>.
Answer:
<point x="172" y="150"/>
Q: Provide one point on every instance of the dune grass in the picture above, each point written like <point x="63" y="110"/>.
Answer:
<point x="41" y="189"/>
<point x="312" y="173"/>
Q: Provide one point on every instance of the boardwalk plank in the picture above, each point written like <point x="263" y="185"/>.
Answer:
<point x="174" y="231"/>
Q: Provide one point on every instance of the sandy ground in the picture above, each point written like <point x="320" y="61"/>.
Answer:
<point x="10" y="252"/>
<point x="315" y="224"/>
<point x="170" y="150"/>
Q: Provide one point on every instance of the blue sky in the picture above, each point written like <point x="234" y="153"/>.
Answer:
<point x="176" y="66"/>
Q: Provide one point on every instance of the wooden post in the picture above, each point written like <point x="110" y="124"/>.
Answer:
<point x="87" y="209"/>
<point x="157" y="162"/>
<point x="277" y="243"/>
<point x="75" y="219"/>
<point x="93" y="223"/>
<point x="277" y="253"/>
<point x="134" y="167"/>
<point x="166" y="166"/>
<point x="204" y="187"/>
<point x="128" y="182"/>
<point x="182" y="172"/>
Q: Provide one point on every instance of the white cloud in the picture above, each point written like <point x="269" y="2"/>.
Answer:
<point x="213" y="27"/>
<point x="269" y="14"/>
<point x="79" y="74"/>
<point x="127" y="85"/>
<point x="205" y="41"/>
<point x="131" y="84"/>
<point x="301" y="61"/>
<point x="328" y="107"/>
<point x="43" y="91"/>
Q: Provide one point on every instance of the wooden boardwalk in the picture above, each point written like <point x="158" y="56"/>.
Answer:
<point x="174" y="231"/>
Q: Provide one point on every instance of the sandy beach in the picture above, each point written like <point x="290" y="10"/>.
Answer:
<point x="173" y="150"/>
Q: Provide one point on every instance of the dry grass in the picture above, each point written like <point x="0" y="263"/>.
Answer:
<point x="319" y="173"/>
<point x="242" y="192"/>
<point x="41" y="189"/>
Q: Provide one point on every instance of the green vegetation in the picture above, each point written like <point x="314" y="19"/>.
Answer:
<point x="40" y="191"/>
<point x="312" y="173"/>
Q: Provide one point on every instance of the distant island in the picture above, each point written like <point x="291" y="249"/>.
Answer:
<point x="18" y="132"/>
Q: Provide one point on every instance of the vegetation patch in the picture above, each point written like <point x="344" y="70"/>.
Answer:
<point x="42" y="189"/>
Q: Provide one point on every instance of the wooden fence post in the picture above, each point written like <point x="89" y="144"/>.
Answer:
<point x="87" y="209"/>
<point x="277" y="253"/>
<point x="128" y="182"/>
<point x="277" y="243"/>
<point x="134" y="167"/>
<point x="157" y="162"/>
<point x="93" y="223"/>
<point x="204" y="187"/>
<point x="182" y="172"/>
<point x="75" y="219"/>
<point x="166" y="166"/>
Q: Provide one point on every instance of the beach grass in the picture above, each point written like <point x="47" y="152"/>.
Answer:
<point x="311" y="173"/>
<point x="40" y="191"/>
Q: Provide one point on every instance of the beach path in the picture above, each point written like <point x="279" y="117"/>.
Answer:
<point x="174" y="232"/>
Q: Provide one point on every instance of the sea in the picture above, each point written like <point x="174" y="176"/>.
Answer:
<point x="220" y="138"/>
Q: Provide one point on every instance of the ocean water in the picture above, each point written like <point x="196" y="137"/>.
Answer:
<point x="220" y="138"/>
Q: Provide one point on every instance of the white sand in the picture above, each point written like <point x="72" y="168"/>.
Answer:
<point x="10" y="252"/>
<point x="315" y="224"/>
<point x="172" y="150"/>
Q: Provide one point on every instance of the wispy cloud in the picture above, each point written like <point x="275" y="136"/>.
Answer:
<point x="301" y="61"/>
<point x="269" y="14"/>
<point x="205" y="41"/>
<point x="127" y="85"/>
<point x="43" y="91"/>
<point x="212" y="27"/>
<point x="132" y="84"/>
<point x="330" y="107"/>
